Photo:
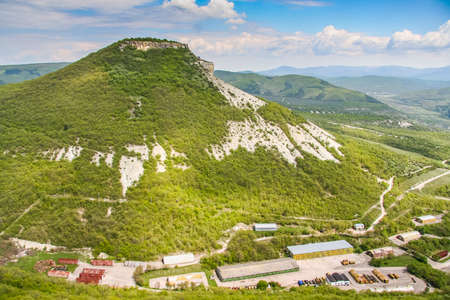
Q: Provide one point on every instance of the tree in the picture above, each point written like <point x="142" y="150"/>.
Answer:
<point x="262" y="285"/>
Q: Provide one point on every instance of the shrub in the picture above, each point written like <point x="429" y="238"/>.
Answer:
<point x="262" y="285"/>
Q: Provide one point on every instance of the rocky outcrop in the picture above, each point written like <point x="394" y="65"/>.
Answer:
<point x="146" y="45"/>
<point x="207" y="66"/>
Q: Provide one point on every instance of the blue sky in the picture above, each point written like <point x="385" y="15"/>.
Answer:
<point x="236" y="35"/>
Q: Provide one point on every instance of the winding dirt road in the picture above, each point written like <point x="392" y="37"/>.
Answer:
<point x="422" y="184"/>
<point x="20" y="216"/>
<point x="390" y="183"/>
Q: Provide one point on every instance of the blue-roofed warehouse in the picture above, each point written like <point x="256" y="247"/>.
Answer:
<point x="320" y="249"/>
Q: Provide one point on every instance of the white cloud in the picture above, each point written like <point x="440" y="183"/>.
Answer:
<point x="41" y="48"/>
<point x="434" y="40"/>
<point x="217" y="9"/>
<point x="310" y="3"/>
<point x="24" y="16"/>
<point x="339" y="41"/>
<point x="329" y="41"/>
<point x="102" y="5"/>
<point x="236" y="21"/>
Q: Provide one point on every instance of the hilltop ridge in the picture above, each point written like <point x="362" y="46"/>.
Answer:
<point x="138" y="153"/>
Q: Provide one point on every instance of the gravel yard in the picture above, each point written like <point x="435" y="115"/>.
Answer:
<point x="115" y="276"/>
<point x="318" y="267"/>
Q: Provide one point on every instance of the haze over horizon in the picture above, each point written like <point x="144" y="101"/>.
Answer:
<point x="236" y="35"/>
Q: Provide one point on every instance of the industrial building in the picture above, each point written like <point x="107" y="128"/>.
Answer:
<point x="265" y="227"/>
<point x="409" y="236"/>
<point x="381" y="252"/>
<point x="185" y="258"/>
<point x="428" y="219"/>
<point x="320" y="249"/>
<point x="337" y="279"/>
<point x="256" y="269"/>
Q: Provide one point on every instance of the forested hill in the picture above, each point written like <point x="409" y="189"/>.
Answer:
<point x="379" y="85"/>
<point x="137" y="150"/>
<point x="306" y="93"/>
<point x="19" y="73"/>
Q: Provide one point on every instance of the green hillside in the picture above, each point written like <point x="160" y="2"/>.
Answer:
<point x="376" y="85"/>
<point x="19" y="73"/>
<point x="17" y="284"/>
<point x="437" y="100"/>
<point x="305" y="93"/>
<point x="52" y="129"/>
<point x="430" y="107"/>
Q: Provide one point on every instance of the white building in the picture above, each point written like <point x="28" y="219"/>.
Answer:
<point x="359" y="226"/>
<point x="265" y="227"/>
<point x="337" y="279"/>
<point x="180" y="259"/>
<point x="179" y="281"/>
<point x="428" y="219"/>
<point x="409" y="236"/>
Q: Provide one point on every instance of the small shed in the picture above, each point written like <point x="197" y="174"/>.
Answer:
<point x="409" y="236"/>
<point x="337" y="279"/>
<point x="359" y="226"/>
<point x="381" y="252"/>
<point x="265" y="227"/>
<point x="428" y="219"/>
<point x="180" y="259"/>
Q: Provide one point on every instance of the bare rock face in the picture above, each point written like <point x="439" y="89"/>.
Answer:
<point x="207" y="66"/>
<point x="146" y="45"/>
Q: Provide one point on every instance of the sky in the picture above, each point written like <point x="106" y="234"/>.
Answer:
<point x="236" y="35"/>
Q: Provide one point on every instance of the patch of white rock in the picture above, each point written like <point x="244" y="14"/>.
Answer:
<point x="160" y="155"/>
<point x="309" y="144"/>
<point x="250" y="134"/>
<point x="328" y="139"/>
<point x="235" y="96"/>
<point x="100" y="155"/>
<point x="68" y="154"/>
<point x="132" y="167"/>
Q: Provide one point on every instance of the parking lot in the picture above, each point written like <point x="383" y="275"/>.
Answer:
<point x="319" y="267"/>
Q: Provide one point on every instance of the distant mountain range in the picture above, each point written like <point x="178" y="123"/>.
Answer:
<point x="381" y="85"/>
<point x="18" y="73"/>
<point x="442" y="74"/>
<point x="430" y="107"/>
<point x="306" y="93"/>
